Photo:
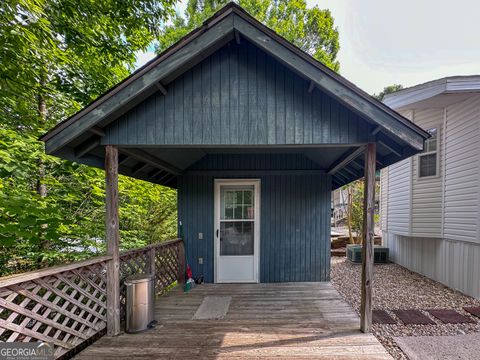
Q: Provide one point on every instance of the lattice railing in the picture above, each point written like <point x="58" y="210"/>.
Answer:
<point x="166" y="260"/>
<point x="169" y="265"/>
<point x="66" y="305"/>
<point x="62" y="305"/>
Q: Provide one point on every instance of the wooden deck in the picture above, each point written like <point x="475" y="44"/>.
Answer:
<point x="287" y="320"/>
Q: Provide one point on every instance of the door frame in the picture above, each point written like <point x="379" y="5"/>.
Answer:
<point x="216" y="224"/>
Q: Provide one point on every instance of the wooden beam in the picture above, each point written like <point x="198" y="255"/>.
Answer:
<point x="154" y="173"/>
<point x="145" y="157"/>
<point x="350" y="171"/>
<point x="113" y="240"/>
<point x="122" y="159"/>
<point x="345" y="178"/>
<point x="97" y="130"/>
<point x="139" y="168"/>
<point x="376" y="130"/>
<point x="237" y="37"/>
<point x="345" y="160"/>
<point x="181" y="263"/>
<point x="389" y="144"/>
<point x="87" y="146"/>
<point x="165" y="177"/>
<point x="368" y="235"/>
<point x="152" y="267"/>
<point x="161" y="88"/>
<point x="311" y="86"/>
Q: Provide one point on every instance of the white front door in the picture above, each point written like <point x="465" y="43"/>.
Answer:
<point x="237" y="230"/>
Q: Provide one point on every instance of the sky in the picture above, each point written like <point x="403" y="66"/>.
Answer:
<point x="408" y="42"/>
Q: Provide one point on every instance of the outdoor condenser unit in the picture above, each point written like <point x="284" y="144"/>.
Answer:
<point x="380" y="254"/>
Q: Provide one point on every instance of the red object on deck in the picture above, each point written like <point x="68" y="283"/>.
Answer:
<point x="189" y="272"/>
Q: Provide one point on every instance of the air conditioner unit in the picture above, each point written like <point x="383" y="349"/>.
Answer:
<point x="380" y="254"/>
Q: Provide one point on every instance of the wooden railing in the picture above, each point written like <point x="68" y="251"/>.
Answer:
<point x="66" y="305"/>
<point x="166" y="260"/>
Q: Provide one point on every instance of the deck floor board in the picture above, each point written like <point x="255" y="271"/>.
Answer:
<point x="281" y="321"/>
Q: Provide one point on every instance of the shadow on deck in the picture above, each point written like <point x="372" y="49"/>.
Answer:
<point x="286" y="320"/>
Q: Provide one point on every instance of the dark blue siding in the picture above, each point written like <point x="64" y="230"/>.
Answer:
<point x="295" y="216"/>
<point x="238" y="95"/>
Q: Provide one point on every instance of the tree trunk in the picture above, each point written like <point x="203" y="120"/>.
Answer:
<point x="349" y="213"/>
<point x="41" y="186"/>
<point x="42" y="113"/>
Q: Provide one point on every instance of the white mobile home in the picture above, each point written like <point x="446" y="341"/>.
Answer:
<point x="430" y="203"/>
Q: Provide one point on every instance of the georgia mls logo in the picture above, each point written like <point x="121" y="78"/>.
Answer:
<point x="26" y="351"/>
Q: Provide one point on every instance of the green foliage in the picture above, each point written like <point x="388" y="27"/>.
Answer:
<point x="355" y="191"/>
<point x="355" y="209"/>
<point x="71" y="218"/>
<point x="311" y="29"/>
<point x="388" y="90"/>
<point x="56" y="56"/>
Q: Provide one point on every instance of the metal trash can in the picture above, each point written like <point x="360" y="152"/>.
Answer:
<point x="140" y="303"/>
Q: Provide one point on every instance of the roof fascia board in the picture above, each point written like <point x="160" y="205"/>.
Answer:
<point x="421" y="92"/>
<point x="414" y="96"/>
<point x="457" y="85"/>
<point x="123" y="96"/>
<point x="328" y="83"/>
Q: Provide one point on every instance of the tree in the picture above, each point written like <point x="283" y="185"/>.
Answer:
<point x="388" y="90"/>
<point x="355" y="211"/>
<point x="311" y="29"/>
<point x="56" y="56"/>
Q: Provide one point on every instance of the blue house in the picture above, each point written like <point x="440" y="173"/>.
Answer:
<point x="254" y="133"/>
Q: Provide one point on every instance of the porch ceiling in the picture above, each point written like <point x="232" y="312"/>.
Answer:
<point x="162" y="165"/>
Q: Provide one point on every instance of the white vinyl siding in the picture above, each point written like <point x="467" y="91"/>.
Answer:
<point x="399" y="175"/>
<point x="462" y="171"/>
<point x="453" y="263"/>
<point x="426" y="219"/>
<point x="383" y="198"/>
<point x="399" y="194"/>
<point x="443" y="241"/>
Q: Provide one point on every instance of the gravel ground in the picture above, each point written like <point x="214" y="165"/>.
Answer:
<point x="395" y="287"/>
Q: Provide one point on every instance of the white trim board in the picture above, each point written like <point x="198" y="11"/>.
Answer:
<point x="216" y="221"/>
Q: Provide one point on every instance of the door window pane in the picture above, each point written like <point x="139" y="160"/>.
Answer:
<point x="237" y="203"/>
<point x="236" y="238"/>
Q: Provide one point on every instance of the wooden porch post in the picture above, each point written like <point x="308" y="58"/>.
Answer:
<point x="181" y="263"/>
<point x="113" y="240"/>
<point x="368" y="235"/>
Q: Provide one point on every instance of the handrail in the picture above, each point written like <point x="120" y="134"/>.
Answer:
<point x="67" y="304"/>
<point x="148" y="247"/>
<point x="52" y="270"/>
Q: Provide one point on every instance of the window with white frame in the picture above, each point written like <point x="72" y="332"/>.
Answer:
<point x="428" y="159"/>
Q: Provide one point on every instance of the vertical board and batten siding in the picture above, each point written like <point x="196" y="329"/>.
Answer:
<point x="462" y="191"/>
<point x="454" y="258"/>
<point x="238" y="96"/>
<point x="426" y="216"/>
<point x="294" y="216"/>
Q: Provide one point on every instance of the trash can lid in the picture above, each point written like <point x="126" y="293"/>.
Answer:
<point x="138" y="278"/>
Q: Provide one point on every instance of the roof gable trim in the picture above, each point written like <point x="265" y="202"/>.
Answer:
<point x="123" y="98"/>
<point x="387" y="118"/>
<point x="215" y="33"/>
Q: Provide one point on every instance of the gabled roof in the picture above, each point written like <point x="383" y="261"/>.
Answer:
<point x="452" y="85"/>
<point x="226" y="24"/>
